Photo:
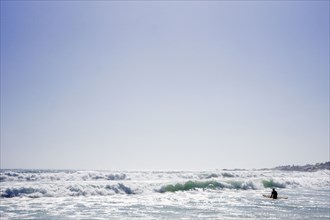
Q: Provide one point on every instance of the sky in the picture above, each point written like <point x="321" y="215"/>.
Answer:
<point x="166" y="85"/>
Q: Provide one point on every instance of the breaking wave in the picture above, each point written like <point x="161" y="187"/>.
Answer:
<point x="212" y="184"/>
<point x="41" y="175"/>
<point x="23" y="191"/>
<point x="70" y="190"/>
<point x="272" y="184"/>
<point x="216" y="175"/>
<point x="62" y="183"/>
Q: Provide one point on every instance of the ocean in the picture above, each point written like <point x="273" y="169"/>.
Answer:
<point x="217" y="194"/>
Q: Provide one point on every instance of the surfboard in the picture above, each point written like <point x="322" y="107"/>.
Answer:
<point x="278" y="197"/>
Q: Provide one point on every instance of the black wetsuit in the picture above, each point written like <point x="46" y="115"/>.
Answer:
<point x="274" y="194"/>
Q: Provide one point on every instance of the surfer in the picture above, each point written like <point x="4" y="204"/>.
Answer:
<point x="274" y="194"/>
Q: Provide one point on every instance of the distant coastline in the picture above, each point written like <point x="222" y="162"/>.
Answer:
<point x="305" y="168"/>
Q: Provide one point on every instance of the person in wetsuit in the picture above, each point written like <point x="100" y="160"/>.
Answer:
<point x="274" y="194"/>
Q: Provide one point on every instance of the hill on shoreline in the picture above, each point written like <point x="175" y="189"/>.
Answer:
<point x="305" y="168"/>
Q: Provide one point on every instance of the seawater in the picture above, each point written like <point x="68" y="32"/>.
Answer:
<point x="218" y="194"/>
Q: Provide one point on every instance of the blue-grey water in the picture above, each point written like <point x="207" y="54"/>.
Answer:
<point x="218" y="194"/>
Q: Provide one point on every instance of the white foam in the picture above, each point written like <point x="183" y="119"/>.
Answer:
<point x="104" y="183"/>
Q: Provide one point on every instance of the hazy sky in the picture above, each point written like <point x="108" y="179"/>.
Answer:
<point x="164" y="85"/>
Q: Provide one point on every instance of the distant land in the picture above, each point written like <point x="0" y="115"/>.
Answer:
<point x="305" y="168"/>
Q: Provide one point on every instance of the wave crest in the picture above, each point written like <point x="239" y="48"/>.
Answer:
<point x="272" y="184"/>
<point x="212" y="184"/>
<point x="69" y="190"/>
<point x="24" y="191"/>
<point x="10" y="176"/>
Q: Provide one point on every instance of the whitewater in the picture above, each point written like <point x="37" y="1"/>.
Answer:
<point x="217" y="194"/>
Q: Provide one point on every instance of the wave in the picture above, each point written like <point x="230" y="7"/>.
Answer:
<point x="272" y="184"/>
<point x="35" y="175"/>
<point x="212" y="184"/>
<point x="19" y="192"/>
<point x="70" y="190"/>
<point x="26" y="183"/>
<point x="216" y="175"/>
